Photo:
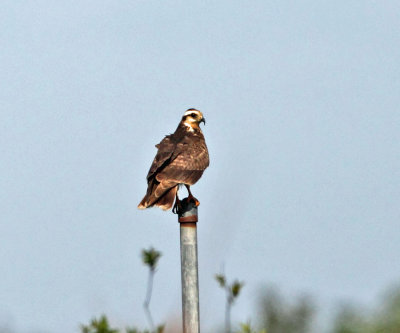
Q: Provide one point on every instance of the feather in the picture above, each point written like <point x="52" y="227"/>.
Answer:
<point x="167" y="200"/>
<point x="181" y="158"/>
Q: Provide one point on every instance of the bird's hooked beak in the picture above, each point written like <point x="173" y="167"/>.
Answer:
<point x="203" y="120"/>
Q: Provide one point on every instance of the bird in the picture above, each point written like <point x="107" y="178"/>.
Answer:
<point x="181" y="159"/>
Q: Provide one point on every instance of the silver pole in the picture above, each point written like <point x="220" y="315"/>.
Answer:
<point x="189" y="268"/>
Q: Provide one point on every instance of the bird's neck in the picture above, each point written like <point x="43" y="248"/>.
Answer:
<point x="190" y="126"/>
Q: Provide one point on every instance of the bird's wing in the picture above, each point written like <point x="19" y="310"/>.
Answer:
<point x="193" y="161"/>
<point x="168" y="150"/>
<point x="185" y="166"/>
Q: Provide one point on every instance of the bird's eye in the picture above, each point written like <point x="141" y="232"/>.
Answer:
<point x="193" y="115"/>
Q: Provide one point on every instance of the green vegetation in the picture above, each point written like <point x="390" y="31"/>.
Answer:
<point x="386" y="319"/>
<point x="98" y="326"/>
<point x="232" y="292"/>
<point x="279" y="316"/>
<point x="247" y="328"/>
<point x="101" y="325"/>
<point x="276" y="315"/>
<point x="150" y="258"/>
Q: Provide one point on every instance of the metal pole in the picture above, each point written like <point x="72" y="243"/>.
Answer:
<point x="189" y="268"/>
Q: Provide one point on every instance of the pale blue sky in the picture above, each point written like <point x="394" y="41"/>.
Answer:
<point x="303" y="127"/>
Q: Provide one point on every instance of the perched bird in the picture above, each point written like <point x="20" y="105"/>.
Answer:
<point x="181" y="158"/>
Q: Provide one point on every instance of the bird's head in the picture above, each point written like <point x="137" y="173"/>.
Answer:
<point x="192" y="118"/>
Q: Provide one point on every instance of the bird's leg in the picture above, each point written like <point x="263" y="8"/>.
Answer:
<point x="178" y="205"/>
<point x="191" y="197"/>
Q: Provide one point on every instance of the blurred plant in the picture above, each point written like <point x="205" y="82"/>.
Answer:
<point x="349" y="320"/>
<point x="388" y="319"/>
<point x="159" y="329"/>
<point x="98" y="326"/>
<point x="102" y="326"/>
<point x="385" y="320"/>
<point x="232" y="292"/>
<point x="150" y="258"/>
<point x="246" y="328"/>
<point x="278" y="316"/>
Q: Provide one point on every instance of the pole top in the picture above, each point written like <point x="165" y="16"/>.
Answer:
<point x="187" y="212"/>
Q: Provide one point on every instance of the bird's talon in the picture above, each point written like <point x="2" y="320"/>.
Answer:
<point x="194" y="200"/>
<point x="177" y="207"/>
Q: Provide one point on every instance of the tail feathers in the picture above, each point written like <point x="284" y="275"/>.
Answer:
<point x="143" y="204"/>
<point x="165" y="201"/>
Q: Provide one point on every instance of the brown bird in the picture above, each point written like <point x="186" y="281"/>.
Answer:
<point x="181" y="158"/>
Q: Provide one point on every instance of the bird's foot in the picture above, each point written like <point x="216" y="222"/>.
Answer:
<point x="191" y="198"/>
<point x="177" y="206"/>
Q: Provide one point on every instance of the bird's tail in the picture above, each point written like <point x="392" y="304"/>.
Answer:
<point x="153" y="198"/>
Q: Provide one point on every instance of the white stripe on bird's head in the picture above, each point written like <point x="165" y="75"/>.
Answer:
<point x="192" y="118"/>
<point x="193" y="113"/>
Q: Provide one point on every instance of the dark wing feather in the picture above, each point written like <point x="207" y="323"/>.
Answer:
<point x="165" y="151"/>
<point x="180" y="159"/>
<point x="187" y="164"/>
<point x="194" y="159"/>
